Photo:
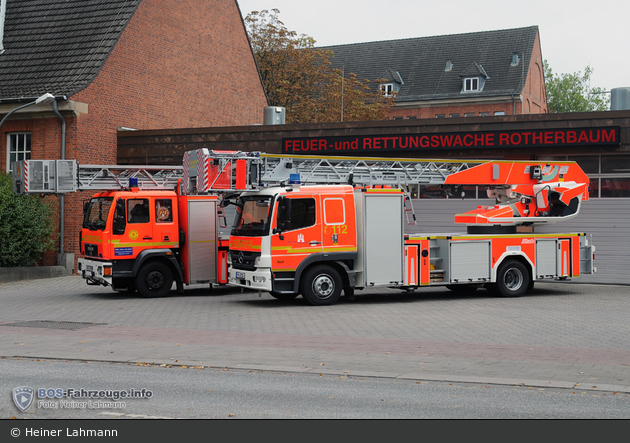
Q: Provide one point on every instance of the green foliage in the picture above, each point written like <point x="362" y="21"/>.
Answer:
<point x="26" y="226"/>
<point x="573" y="93"/>
<point x="299" y="77"/>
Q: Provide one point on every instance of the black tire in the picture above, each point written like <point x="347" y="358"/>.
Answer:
<point x="512" y="279"/>
<point x="155" y="279"/>
<point x="283" y="297"/>
<point x="321" y="285"/>
<point x="462" y="289"/>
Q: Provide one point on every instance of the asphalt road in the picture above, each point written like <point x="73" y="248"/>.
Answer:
<point x="195" y="393"/>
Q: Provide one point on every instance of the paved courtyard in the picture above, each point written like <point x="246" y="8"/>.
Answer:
<point x="559" y="335"/>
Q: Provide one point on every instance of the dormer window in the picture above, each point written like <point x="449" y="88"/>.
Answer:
<point x="388" y="89"/>
<point x="472" y="84"/>
<point x="515" y="59"/>
<point x="474" y="78"/>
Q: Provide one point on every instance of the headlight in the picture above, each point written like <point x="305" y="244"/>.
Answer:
<point x="258" y="279"/>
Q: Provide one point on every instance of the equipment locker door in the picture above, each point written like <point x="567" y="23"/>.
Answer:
<point x="202" y="242"/>
<point x="383" y="238"/>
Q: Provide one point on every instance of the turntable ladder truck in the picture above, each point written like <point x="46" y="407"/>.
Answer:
<point x="304" y="226"/>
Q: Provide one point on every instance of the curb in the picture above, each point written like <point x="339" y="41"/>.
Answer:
<point x="31" y="273"/>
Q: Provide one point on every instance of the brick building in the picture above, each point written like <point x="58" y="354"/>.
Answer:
<point x="118" y="64"/>
<point x="461" y="75"/>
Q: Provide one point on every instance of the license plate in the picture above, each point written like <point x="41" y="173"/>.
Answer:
<point x="240" y="275"/>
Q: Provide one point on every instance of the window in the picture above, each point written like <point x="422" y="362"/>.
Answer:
<point x="163" y="211"/>
<point x="499" y="113"/>
<point x="138" y="210"/>
<point x="18" y="148"/>
<point x="302" y="213"/>
<point x="411" y="117"/>
<point x="471" y="84"/>
<point x="440" y="115"/>
<point x="387" y="88"/>
<point x="454" y="115"/>
<point x="469" y="114"/>
<point x="484" y="114"/>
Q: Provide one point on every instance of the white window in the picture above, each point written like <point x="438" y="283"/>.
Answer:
<point x="471" y="84"/>
<point x="18" y="148"/>
<point x="387" y="88"/>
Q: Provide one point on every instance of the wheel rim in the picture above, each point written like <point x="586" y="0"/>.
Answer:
<point x="513" y="279"/>
<point x="323" y="286"/>
<point x="155" y="280"/>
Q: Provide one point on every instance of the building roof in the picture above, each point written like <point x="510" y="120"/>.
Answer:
<point x="422" y="62"/>
<point x="58" y="46"/>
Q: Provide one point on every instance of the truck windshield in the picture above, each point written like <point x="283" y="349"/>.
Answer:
<point x="252" y="216"/>
<point x="96" y="212"/>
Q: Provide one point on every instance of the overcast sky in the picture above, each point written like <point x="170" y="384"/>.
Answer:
<point x="573" y="33"/>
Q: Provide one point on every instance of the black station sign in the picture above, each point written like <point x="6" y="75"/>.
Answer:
<point x="608" y="136"/>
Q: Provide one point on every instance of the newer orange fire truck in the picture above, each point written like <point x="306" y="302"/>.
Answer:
<point x="340" y="228"/>
<point x="317" y="240"/>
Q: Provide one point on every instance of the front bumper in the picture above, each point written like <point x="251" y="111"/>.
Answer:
<point x="259" y="280"/>
<point x="95" y="272"/>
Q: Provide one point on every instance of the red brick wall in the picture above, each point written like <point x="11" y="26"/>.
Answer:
<point x="178" y="64"/>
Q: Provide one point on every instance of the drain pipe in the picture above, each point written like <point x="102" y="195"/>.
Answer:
<point x="62" y="199"/>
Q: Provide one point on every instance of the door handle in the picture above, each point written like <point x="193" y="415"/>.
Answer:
<point x="147" y="238"/>
<point x="314" y="243"/>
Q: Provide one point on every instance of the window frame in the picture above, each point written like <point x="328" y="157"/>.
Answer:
<point x="25" y="153"/>
<point x="469" y="82"/>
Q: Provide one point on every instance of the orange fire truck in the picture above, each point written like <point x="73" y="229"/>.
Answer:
<point x="319" y="240"/>
<point x="339" y="228"/>
<point x="150" y="226"/>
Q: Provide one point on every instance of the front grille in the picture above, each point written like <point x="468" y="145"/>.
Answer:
<point x="244" y="260"/>
<point x="91" y="250"/>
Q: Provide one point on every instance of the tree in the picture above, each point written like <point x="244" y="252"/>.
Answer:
<point x="299" y="77"/>
<point x="26" y="226"/>
<point x="573" y="93"/>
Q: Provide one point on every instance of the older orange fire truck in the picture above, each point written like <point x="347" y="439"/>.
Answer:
<point x="150" y="226"/>
<point x="340" y="228"/>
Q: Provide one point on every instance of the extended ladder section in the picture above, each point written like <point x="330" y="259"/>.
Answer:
<point x="63" y="176"/>
<point x="236" y="171"/>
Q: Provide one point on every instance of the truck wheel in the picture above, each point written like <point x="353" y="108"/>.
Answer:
<point x="282" y="296"/>
<point x="512" y="279"/>
<point x="154" y="280"/>
<point x="321" y="285"/>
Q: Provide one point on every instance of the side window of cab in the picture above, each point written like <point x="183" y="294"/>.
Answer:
<point x="302" y="213"/>
<point x="163" y="210"/>
<point x="138" y="210"/>
<point x="120" y="221"/>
